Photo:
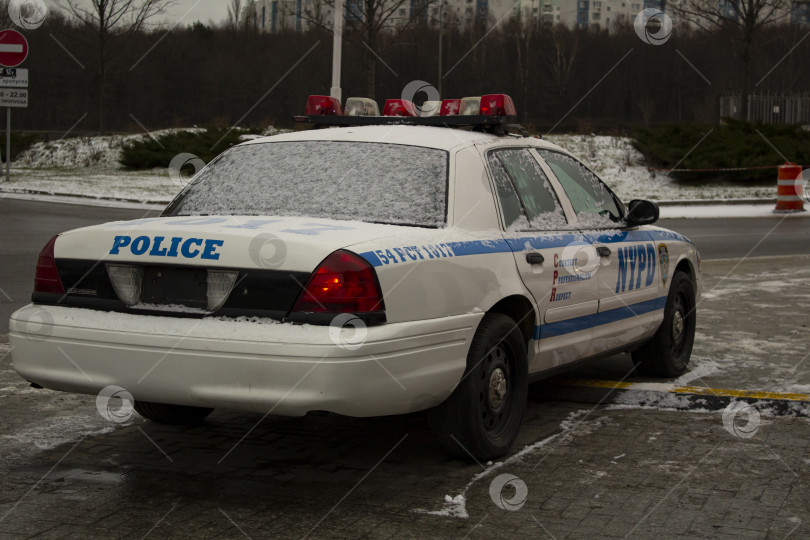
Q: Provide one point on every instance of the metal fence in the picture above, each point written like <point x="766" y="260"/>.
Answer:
<point x="769" y="108"/>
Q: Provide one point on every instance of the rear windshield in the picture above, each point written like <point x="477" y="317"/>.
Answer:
<point x="374" y="182"/>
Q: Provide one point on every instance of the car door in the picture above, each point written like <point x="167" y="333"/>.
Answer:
<point x="549" y="254"/>
<point x="627" y="287"/>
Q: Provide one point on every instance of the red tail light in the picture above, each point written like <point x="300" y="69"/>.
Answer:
<point x="497" y="105"/>
<point x="399" y="107"/>
<point x="47" y="278"/>
<point x="323" y="106"/>
<point x="343" y="283"/>
<point x="450" y="107"/>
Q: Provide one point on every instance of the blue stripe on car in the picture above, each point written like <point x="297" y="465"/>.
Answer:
<point x="546" y="241"/>
<point x="585" y="322"/>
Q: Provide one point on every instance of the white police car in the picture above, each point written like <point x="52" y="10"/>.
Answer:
<point x="383" y="267"/>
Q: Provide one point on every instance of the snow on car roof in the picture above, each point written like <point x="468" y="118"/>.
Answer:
<point x="441" y="138"/>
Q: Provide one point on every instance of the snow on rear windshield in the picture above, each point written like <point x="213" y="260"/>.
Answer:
<point x="374" y="182"/>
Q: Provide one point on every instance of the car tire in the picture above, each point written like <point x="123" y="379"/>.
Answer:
<point x="482" y="418"/>
<point x="667" y="353"/>
<point x="171" y="414"/>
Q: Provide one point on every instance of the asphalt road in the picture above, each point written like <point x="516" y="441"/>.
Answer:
<point x="28" y="225"/>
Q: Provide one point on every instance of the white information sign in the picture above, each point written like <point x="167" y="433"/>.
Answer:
<point x="14" y="77"/>
<point x="13" y="97"/>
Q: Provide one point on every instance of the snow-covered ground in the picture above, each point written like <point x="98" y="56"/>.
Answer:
<point x="88" y="166"/>
<point x="622" y="167"/>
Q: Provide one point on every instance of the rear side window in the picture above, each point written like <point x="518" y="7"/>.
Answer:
<point x="373" y="182"/>
<point x="593" y="202"/>
<point x="527" y="198"/>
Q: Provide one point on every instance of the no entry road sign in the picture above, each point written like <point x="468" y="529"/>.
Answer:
<point x="13" y="48"/>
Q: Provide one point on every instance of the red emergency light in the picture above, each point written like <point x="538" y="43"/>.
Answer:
<point x="450" y="107"/>
<point x="399" y="107"/>
<point x="497" y="105"/>
<point x="490" y="113"/>
<point x="323" y="106"/>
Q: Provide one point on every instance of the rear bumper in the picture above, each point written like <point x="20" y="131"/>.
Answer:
<point x="261" y="366"/>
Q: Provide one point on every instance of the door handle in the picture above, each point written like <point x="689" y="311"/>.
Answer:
<point x="603" y="251"/>
<point x="534" y="258"/>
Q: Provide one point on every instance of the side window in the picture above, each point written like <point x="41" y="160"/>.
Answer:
<point x="510" y="204"/>
<point x="535" y="196"/>
<point x="592" y="200"/>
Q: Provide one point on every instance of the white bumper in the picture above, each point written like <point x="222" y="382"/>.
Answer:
<point x="259" y="366"/>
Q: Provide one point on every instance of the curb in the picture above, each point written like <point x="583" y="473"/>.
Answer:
<point x="714" y="202"/>
<point x="14" y="191"/>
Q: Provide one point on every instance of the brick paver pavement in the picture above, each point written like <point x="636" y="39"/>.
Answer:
<point x="590" y="471"/>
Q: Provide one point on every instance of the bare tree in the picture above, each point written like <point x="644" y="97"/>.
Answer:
<point x="107" y="18"/>
<point x="234" y="12"/>
<point x="559" y="57"/>
<point x="742" y="20"/>
<point x="366" y="21"/>
<point x="526" y="57"/>
<point x="646" y="104"/>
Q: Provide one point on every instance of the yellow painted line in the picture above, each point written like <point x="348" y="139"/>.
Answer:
<point x="673" y="389"/>
<point x="740" y="393"/>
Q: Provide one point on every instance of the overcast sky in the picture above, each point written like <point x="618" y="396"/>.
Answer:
<point x="189" y="11"/>
<point x="199" y="10"/>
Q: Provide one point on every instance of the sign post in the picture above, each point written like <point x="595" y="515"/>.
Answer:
<point x="8" y="144"/>
<point x="13" y="82"/>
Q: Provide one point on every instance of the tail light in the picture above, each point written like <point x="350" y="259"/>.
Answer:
<point x="323" y="106"/>
<point x="497" y="105"/>
<point x="47" y="277"/>
<point x="127" y="280"/>
<point x="343" y="283"/>
<point x="220" y="285"/>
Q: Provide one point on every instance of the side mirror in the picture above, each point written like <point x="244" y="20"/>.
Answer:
<point x="640" y="212"/>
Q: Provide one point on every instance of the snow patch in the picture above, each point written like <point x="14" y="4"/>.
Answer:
<point x="705" y="368"/>
<point x="455" y="507"/>
<point x="89" y="166"/>
<point x="94" y="477"/>
<point x="58" y="431"/>
<point x="100" y="152"/>
<point x="572" y="425"/>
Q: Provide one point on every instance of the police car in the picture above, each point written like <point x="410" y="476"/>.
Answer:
<point x="379" y="265"/>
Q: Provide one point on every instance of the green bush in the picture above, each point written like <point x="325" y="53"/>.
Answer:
<point x="731" y="145"/>
<point x="149" y="153"/>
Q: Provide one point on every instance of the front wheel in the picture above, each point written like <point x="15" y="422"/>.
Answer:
<point x="482" y="417"/>
<point x="171" y="414"/>
<point x="667" y="353"/>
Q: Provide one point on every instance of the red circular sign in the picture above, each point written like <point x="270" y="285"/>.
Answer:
<point x="13" y="48"/>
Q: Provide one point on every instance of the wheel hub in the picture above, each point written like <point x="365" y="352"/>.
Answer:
<point x="677" y="325"/>
<point x="497" y="388"/>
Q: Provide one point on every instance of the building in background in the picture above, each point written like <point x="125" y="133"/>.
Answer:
<point x="768" y="108"/>
<point x="800" y="14"/>
<point x="301" y="15"/>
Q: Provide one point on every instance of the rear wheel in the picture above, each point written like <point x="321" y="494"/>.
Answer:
<point x="482" y="417"/>
<point x="667" y="353"/>
<point x="172" y="414"/>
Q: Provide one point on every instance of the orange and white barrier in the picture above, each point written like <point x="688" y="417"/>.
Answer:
<point x="790" y="189"/>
